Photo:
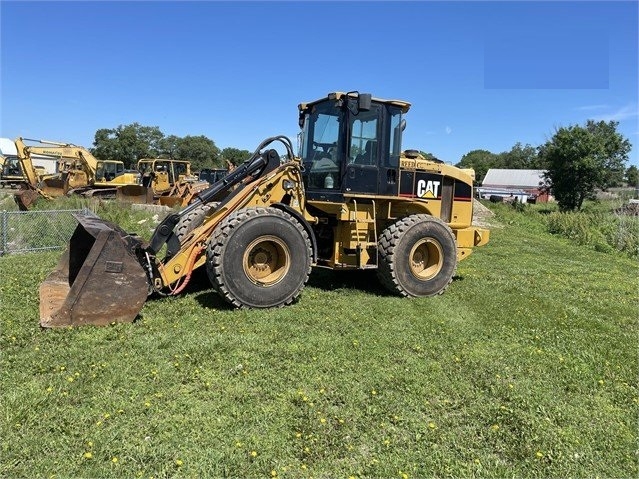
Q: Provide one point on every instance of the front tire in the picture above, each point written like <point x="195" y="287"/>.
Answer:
<point x="259" y="258"/>
<point x="191" y="221"/>
<point x="417" y="256"/>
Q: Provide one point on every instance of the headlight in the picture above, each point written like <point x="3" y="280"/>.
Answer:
<point x="288" y="185"/>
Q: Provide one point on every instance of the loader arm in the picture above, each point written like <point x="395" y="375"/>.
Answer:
<point x="256" y="166"/>
<point x="106" y="273"/>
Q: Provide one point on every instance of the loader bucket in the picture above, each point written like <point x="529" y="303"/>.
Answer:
<point x="171" y="201"/>
<point x="137" y="194"/>
<point x="98" y="280"/>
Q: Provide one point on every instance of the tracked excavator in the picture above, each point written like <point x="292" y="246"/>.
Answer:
<point x="350" y="200"/>
<point x="79" y="171"/>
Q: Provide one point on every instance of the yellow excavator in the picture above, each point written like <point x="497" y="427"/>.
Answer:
<point x="17" y="172"/>
<point x="20" y="171"/>
<point x="79" y="171"/>
<point x="350" y="200"/>
<point x="12" y="174"/>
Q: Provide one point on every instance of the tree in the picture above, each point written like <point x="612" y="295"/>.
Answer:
<point x="235" y="155"/>
<point x="169" y="147"/>
<point x="615" y="150"/>
<point x="520" y="158"/>
<point x="199" y="150"/>
<point x="127" y="143"/>
<point x="632" y="176"/>
<point x="581" y="159"/>
<point x="481" y="161"/>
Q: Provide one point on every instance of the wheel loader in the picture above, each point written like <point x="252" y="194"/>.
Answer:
<point x="350" y="200"/>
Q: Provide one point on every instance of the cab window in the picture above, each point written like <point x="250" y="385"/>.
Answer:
<point x="364" y="140"/>
<point x="321" y="147"/>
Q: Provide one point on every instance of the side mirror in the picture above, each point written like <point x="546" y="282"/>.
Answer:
<point x="364" y="101"/>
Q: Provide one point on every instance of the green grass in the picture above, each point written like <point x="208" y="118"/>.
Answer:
<point x="525" y="367"/>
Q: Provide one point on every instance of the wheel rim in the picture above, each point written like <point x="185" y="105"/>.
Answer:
<point x="426" y="259"/>
<point x="266" y="260"/>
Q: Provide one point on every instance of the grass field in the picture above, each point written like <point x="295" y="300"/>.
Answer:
<point x="525" y="367"/>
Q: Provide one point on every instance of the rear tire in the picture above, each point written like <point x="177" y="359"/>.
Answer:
<point x="417" y="256"/>
<point x="259" y="258"/>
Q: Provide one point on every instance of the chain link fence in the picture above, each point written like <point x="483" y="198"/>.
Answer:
<point x="25" y="231"/>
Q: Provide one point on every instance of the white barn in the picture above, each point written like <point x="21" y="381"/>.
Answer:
<point x="523" y="184"/>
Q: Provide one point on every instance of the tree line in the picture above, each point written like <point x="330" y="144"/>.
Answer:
<point x="130" y="143"/>
<point x="577" y="160"/>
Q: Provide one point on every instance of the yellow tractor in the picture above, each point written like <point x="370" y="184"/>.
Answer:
<point x="350" y="200"/>
<point x="163" y="181"/>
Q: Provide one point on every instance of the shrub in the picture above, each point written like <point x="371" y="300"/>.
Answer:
<point x="606" y="232"/>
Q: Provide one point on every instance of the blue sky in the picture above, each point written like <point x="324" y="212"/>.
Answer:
<point x="480" y="75"/>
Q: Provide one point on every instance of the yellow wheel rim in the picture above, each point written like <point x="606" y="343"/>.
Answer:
<point x="266" y="260"/>
<point x="426" y="259"/>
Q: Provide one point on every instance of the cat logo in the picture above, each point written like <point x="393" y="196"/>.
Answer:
<point x="428" y="189"/>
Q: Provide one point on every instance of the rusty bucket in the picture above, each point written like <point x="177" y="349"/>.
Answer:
<point x="25" y="198"/>
<point x="137" y="194"/>
<point x="98" y="279"/>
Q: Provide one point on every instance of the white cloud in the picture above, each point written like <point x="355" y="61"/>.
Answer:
<point x="623" y="113"/>
<point x="591" y="107"/>
<point x="449" y="130"/>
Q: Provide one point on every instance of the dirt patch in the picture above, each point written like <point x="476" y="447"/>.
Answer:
<point x="631" y="209"/>
<point x="483" y="217"/>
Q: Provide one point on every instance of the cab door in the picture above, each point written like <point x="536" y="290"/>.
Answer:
<point x="361" y="170"/>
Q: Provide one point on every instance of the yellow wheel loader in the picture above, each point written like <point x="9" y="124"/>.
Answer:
<point x="350" y="200"/>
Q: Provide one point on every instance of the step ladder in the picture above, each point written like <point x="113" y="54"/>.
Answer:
<point x="362" y="229"/>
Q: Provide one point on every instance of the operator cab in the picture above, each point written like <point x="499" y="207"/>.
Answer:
<point x="108" y="170"/>
<point x="351" y="144"/>
<point x="12" y="167"/>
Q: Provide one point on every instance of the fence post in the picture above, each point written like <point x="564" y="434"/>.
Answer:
<point x="5" y="225"/>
